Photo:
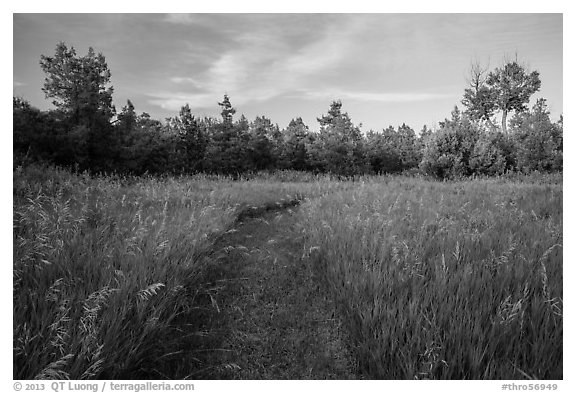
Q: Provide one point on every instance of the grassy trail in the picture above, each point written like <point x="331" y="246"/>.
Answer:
<point x="274" y="321"/>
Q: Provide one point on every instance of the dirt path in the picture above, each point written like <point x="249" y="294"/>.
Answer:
<point x="275" y="322"/>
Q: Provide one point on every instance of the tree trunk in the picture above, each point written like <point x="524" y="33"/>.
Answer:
<point x="491" y="124"/>
<point x="504" y="114"/>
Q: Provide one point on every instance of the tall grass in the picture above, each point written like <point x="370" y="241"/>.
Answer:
<point x="444" y="280"/>
<point x="435" y="280"/>
<point x="104" y="266"/>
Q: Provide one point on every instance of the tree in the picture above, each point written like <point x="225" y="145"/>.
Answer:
<point x="125" y="135"/>
<point x="479" y="99"/>
<point x="260" y="148"/>
<point x="41" y="135"/>
<point x="227" y="150"/>
<point x="334" y="113"/>
<point x="153" y="148"/>
<point x="408" y="147"/>
<point x="505" y="89"/>
<point x="339" y="143"/>
<point x="294" y="155"/>
<point x="127" y="118"/>
<point x="538" y="141"/>
<point x="78" y="85"/>
<point x="423" y="137"/>
<point x="512" y="88"/>
<point x="382" y="151"/>
<point x="448" y="151"/>
<point x="192" y="139"/>
<point x="227" y="110"/>
<point x="492" y="154"/>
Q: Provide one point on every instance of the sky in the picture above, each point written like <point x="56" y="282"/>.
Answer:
<point x="387" y="69"/>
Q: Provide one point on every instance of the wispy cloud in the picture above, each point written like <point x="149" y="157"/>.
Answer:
<point x="399" y="97"/>
<point x="265" y="62"/>
<point x="293" y="64"/>
<point x="179" y="18"/>
<point x="174" y="101"/>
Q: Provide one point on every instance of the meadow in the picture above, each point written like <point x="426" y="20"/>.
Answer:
<point x="433" y="280"/>
<point x="104" y="265"/>
<point x="455" y="280"/>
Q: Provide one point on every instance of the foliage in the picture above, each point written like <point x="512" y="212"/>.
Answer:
<point x="262" y="144"/>
<point x="448" y="152"/>
<point x="504" y="89"/>
<point x="492" y="154"/>
<point x="78" y="85"/>
<point x="382" y="152"/>
<point x="295" y="154"/>
<point x="80" y="133"/>
<point x="338" y="147"/>
<point x="539" y="141"/>
<point x="192" y="140"/>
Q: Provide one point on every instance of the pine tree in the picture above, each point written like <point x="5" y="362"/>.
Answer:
<point x="78" y="87"/>
<point x="340" y="143"/>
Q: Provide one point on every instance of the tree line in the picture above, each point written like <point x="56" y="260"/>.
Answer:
<point x="84" y="131"/>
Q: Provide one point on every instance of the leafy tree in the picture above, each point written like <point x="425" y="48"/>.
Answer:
<point x="512" y="87"/>
<point x="504" y="89"/>
<point x="479" y="99"/>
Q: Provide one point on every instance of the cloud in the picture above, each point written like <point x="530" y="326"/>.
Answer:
<point x="174" y="101"/>
<point x="184" y="79"/>
<point x="363" y="58"/>
<point x="179" y="18"/>
<point x="192" y="84"/>
<point x="268" y="60"/>
<point x="398" y="97"/>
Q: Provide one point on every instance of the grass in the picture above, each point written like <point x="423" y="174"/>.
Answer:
<point x="104" y="266"/>
<point x="457" y="280"/>
<point x="274" y="323"/>
<point x="432" y="280"/>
